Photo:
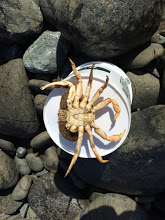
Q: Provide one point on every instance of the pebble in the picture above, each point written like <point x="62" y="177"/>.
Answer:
<point x="7" y="146"/>
<point x="35" y="163"/>
<point x="41" y="140"/>
<point x="51" y="158"/>
<point x="21" y="151"/>
<point x="22" y="188"/>
<point x="22" y="166"/>
<point x="42" y="172"/>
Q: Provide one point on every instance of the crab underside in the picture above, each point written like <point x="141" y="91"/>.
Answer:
<point x="78" y="115"/>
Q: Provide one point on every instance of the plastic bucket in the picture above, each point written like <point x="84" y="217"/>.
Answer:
<point x="119" y="88"/>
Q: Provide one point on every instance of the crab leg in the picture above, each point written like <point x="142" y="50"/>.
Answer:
<point x="79" y="89"/>
<point x="88" y="89"/>
<point x="64" y="83"/>
<point x="88" y="129"/>
<point x="102" y="134"/>
<point x="96" y="95"/>
<point x="104" y="103"/>
<point x="77" y="149"/>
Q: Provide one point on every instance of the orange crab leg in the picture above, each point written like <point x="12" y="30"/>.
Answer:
<point x="64" y="83"/>
<point x="77" y="149"/>
<point x="96" y="95"/>
<point x="88" y="89"/>
<point x="79" y="89"/>
<point x="102" y="134"/>
<point x="88" y="130"/>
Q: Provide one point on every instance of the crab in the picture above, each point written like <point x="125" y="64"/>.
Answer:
<point x="80" y="114"/>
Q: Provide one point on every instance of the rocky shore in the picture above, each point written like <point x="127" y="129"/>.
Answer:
<point x="36" y="39"/>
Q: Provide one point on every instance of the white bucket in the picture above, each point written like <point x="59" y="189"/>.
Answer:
<point x="119" y="88"/>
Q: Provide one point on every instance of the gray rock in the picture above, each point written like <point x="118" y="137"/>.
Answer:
<point x="35" y="163"/>
<point x="54" y="197"/>
<point x="112" y="206"/>
<point x="141" y="57"/>
<point x="22" y="166"/>
<point x="51" y="158"/>
<point x="31" y="215"/>
<point x="44" y="55"/>
<point x="9" y="175"/>
<point x="4" y="216"/>
<point x="41" y="173"/>
<point x="17" y="24"/>
<point x="7" y="146"/>
<point x="41" y="140"/>
<point x="17" y="113"/>
<point x="163" y="81"/>
<point x="22" y="188"/>
<point x="9" y="205"/>
<point x="36" y="84"/>
<point x="23" y="210"/>
<point x="39" y="102"/>
<point x="101" y="29"/>
<point x="21" y="151"/>
<point x="145" y="89"/>
<point x="95" y="195"/>
<point x="133" y="168"/>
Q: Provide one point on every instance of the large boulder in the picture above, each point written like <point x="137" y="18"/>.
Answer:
<point x="104" y="29"/>
<point x="137" y="167"/>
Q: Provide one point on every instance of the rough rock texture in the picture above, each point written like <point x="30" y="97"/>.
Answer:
<point x="17" y="112"/>
<point x="112" y="206"/>
<point x="9" y="175"/>
<point x="41" y="140"/>
<point x="54" y="197"/>
<point x="137" y="167"/>
<point x="19" y="20"/>
<point x="103" y="29"/>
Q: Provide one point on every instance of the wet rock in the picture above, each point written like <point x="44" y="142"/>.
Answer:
<point x="22" y="188"/>
<point x="9" y="205"/>
<point x="39" y="102"/>
<point x="7" y="146"/>
<point x="145" y="89"/>
<point x="9" y="175"/>
<point x="17" y="113"/>
<point x="141" y="57"/>
<point x="86" y="34"/>
<point x="17" y="24"/>
<point x="36" y="84"/>
<point x="51" y="159"/>
<point x="22" y="166"/>
<point x="54" y="197"/>
<point x="35" y="163"/>
<point x="133" y="168"/>
<point x="21" y="151"/>
<point x="44" y="55"/>
<point x="112" y="206"/>
<point x="41" y="140"/>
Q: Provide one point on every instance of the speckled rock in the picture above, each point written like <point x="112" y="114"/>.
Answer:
<point x="18" y="117"/>
<point x="35" y="163"/>
<point x="4" y="216"/>
<point x="22" y="166"/>
<point x="83" y="24"/>
<point x="31" y="215"/>
<point x="9" y="175"/>
<point x="133" y="168"/>
<point x="112" y="206"/>
<point x="40" y="140"/>
<point x="54" y="197"/>
<point x="51" y="158"/>
<point x="146" y="88"/>
<point x="22" y="188"/>
<point x="16" y="23"/>
<point x="44" y="55"/>
<point x="39" y="102"/>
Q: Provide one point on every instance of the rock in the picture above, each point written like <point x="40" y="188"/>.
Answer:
<point x="141" y="57"/>
<point x="112" y="206"/>
<point x="17" y="24"/>
<point x="163" y="81"/>
<point x="145" y="89"/>
<point x="35" y="163"/>
<point x="160" y="203"/>
<point x="95" y="195"/>
<point x="9" y="205"/>
<point x="54" y="197"/>
<point x="39" y="102"/>
<point x="17" y="113"/>
<point x="10" y="52"/>
<point x="23" y="210"/>
<point x="83" y="24"/>
<point x="21" y="151"/>
<point x="7" y="146"/>
<point x="31" y="215"/>
<point x="41" y="140"/>
<point x="36" y="84"/>
<point x="133" y="168"/>
<point x="22" y="166"/>
<point x="22" y="188"/>
<point x="51" y="159"/>
<point x="41" y="173"/>
<point x="4" y="216"/>
<point x="8" y="173"/>
<point x="45" y="54"/>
